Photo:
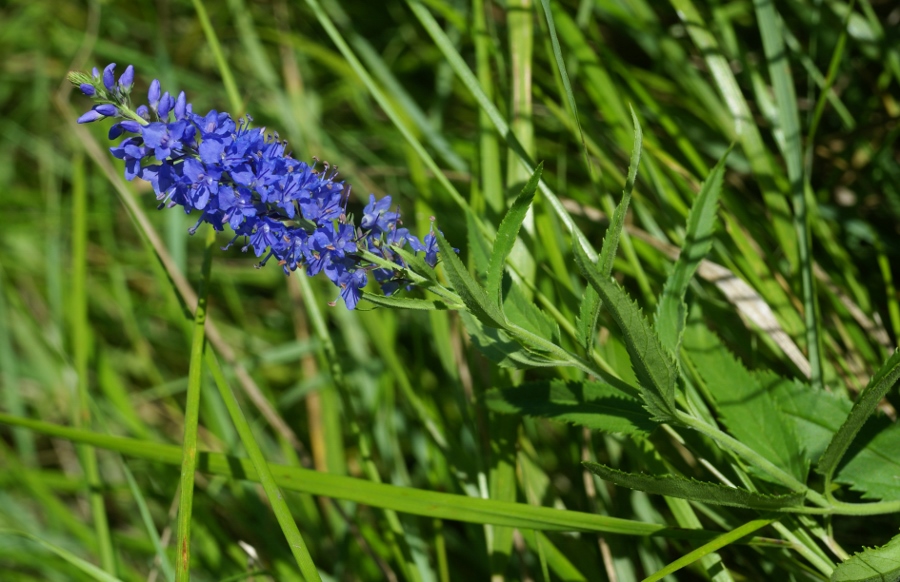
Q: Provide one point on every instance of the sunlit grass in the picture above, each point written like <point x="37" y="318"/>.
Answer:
<point x="448" y="107"/>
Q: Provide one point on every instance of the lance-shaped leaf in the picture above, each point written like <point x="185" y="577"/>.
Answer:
<point x="714" y="493"/>
<point x="409" y="302"/>
<point x="653" y="365"/>
<point x="589" y="310"/>
<point x="507" y="233"/>
<point x="671" y="311"/>
<point x="596" y="405"/>
<point x="871" y="565"/>
<point x="865" y="405"/>
<point x="467" y="287"/>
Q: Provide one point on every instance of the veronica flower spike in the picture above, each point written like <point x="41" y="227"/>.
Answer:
<point x="235" y="175"/>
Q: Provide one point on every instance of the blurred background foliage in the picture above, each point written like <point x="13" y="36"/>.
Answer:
<point x="409" y="367"/>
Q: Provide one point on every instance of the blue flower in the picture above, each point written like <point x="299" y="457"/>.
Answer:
<point x="238" y="176"/>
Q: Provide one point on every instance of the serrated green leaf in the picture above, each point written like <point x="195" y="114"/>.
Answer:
<point x="871" y="465"/>
<point x="589" y="310"/>
<point x="479" y="248"/>
<point x="865" y="405"/>
<point x="522" y="312"/>
<point x="671" y="311"/>
<point x="409" y="302"/>
<point x="746" y="402"/>
<point x="467" y="287"/>
<point x="588" y="314"/>
<point x="677" y="486"/>
<point x="596" y="405"/>
<point x="507" y="233"/>
<point x="880" y="564"/>
<point x="653" y="365"/>
<point x="500" y="348"/>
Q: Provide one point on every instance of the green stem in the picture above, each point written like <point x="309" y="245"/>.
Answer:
<point x="191" y="419"/>
<point x="752" y="456"/>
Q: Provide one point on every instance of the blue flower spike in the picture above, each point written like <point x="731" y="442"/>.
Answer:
<point x="240" y="177"/>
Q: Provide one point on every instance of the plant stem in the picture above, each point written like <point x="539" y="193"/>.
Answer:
<point x="752" y="456"/>
<point x="191" y="419"/>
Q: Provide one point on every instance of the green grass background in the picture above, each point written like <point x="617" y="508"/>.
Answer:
<point x="93" y="331"/>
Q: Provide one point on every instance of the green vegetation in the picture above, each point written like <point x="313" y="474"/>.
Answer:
<point x="665" y="350"/>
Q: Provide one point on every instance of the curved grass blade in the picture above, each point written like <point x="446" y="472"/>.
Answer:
<point x="714" y="493"/>
<point x="708" y="548"/>
<point x="745" y="128"/>
<point x="862" y="409"/>
<point x="403" y="499"/>
<point x="83" y="565"/>
<point x="276" y="500"/>
<point x="671" y="311"/>
<point x="653" y="365"/>
<point x="164" y="565"/>
<point x="506" y="236"/>
<point x="469" y="80"/>
<point x="770" y="28"/>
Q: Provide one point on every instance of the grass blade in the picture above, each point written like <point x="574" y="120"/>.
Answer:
<point x="81" y="342"/>
<point x="276" y="500"/>
<point x="706" y="549"/>
<point x="405" y="499"/>
<point x="66" y="555"/>
<point x="744" y="129"/>
<point x="770" y="27"/>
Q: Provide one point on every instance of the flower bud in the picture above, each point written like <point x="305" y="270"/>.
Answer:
<point x="165" y="105"/>
<point x="180" y="104"/>
<point x="127" y="79"/>
<point x="106" y="109"/>
<point x="153" y="94"/>
<point x="109" y="79"/>
<point x="90" y="116"/>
